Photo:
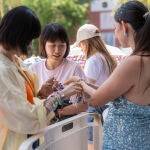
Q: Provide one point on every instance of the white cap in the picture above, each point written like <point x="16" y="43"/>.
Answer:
<point x="85" y="32"/>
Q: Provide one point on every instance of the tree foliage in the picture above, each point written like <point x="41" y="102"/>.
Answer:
<point x="69" y="13"/>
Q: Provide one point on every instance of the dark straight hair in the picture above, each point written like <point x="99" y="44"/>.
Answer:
<point x="52" y="32"/>
<point x="18" y="28"/>
<point x="137" y="15"/>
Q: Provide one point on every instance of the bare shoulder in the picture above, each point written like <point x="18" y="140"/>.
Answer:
<point x="131" y="63"/>
<point x="134" y="58"/>
<point x="126" y="73"/>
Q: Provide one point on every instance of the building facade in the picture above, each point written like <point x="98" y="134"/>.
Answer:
<point x="101" y="15"/>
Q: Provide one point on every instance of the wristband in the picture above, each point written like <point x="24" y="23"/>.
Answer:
<point x="54" y="100"/>
<point x="76" y="107"/>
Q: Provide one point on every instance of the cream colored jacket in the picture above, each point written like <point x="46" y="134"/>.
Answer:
<point x="17" y="116"/>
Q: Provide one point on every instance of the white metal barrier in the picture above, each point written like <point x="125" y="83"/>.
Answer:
<point x="69" y="134"/>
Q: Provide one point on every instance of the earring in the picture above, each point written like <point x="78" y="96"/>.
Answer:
<point x="124" y="34"/>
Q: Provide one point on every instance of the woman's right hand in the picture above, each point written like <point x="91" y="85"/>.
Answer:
<point x="71" y="89"/>
<point x="48" y="88"/>
<point x="86" y="88"/>
<point x="72" y="79"/>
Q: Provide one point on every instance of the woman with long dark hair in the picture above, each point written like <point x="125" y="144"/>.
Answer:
<point x="127" y="125"/>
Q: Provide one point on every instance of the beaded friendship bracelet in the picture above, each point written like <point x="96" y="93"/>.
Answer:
<point x="54" y="100"/>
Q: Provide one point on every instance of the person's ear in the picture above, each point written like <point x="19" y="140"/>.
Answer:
<point x="125" y="28"/>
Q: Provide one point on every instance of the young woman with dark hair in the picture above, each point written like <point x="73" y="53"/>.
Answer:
<point x="21" y="112"/>
<point x="54" y="48"/>
<point x="127" y="125"/>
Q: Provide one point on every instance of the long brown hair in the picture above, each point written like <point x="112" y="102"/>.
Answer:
<point x="96" y="43"/>
<point x="138" y="16"/>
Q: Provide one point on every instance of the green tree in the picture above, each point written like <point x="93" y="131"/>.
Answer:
<point x="69" y="13"/>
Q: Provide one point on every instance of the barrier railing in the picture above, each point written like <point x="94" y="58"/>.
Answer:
<point x="69" y="134"/>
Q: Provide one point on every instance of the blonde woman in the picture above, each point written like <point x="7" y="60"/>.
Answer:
<point x="127" y="125"/>
<point x="99" y="64"/>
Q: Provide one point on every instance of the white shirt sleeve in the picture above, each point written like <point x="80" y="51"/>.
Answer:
<point x="92" y="68"/>
<point x="79" y="72"/>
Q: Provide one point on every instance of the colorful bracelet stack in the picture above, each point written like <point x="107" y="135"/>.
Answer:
<point x="77" y="99"/>
<point x="54" y="100"/>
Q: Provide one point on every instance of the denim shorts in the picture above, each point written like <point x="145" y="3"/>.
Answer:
<point x="98" y="110"/>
